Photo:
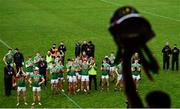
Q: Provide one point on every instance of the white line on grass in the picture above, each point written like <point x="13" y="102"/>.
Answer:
<point x="146" y="12"/>
<point x="71" y="100"/>
<point x="5" y="44"/>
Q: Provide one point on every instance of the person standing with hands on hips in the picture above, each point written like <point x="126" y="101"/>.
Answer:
<point x="36" y="80"/>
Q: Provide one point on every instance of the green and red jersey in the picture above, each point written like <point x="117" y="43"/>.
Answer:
<point x="29" y="66"/>
<point x="36" y="79"/>
<point x="60" y="69"/>
<point x="9" y="58"/>
<point x="54" y="73"/>
<point x="136" y="66"/>
<point x="21" y="80"/>
<point x="85" y="69"/>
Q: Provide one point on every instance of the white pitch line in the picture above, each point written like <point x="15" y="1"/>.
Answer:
<point x="5" y="44"/>
<point x="146" y="12"/>
<point x="71" y="100"/>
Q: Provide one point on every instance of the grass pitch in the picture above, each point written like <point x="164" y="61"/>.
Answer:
<point x="34" y="25"/>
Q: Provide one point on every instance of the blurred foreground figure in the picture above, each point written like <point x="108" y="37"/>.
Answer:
<point x="131" y="32"/>
<point x="158" y="99"/>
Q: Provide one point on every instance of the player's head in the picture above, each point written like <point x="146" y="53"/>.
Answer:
<point x="54" y="46"/>
<point x="136" y="54"/>
<point x="49" y="52"/>
<point x="42" y="58"/>
<point x="175" y="45"/>
<point x="36" y="70"/>
<point x="9" y="50"/>
<point x="167" y="44"/>
<point x="84" y="42"/>
<point x="84" y="53"/>
<point x="61" y="43"/>
<point x="37" y="54"/>
<point x="29" y="57"/>
<point x="17" y="50"/>
<point x="112" y="53"/>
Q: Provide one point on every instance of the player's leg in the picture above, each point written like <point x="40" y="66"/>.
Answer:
<point x="117" y="83"/>
<point x="87" y="83"/>
<point x="52" y="86"/>
<point x="177" y="64"/>
<point x="24" y="94"/>
<point x="56" y="86"/>
<point x="18" y="96"/>
<point x="173" y="62"/>
<point x="102" y="83"/>
<point x="82" y="83"/>
<point x="39" y="95"/>
<point x="121" y="84"/>
<point x="34" y="95"/>
<point x="107" y="82"/>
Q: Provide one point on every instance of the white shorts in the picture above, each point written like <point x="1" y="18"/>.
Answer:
<point x="21" y="89"/>
<point x="85" y="78"/>
<point x="136" y="77"/>
<point x="54" y="81"/>
<point x="119" y="77"/>
<point x="72" y="79"/>
<point x="78" y="76"/>
<point x="112" y="68"/>
<point x="38" y="89"/>
<point x="105" y="77"/>
<point x="29" y="73"/>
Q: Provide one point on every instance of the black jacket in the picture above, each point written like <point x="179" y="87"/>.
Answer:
<point x="42" y="65"/>
<point x="175" y="53"/>
<point x="18" y="57"/>
<point x="8" y="71"/>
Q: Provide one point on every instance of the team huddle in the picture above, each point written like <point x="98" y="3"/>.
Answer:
<point x="78" y="72"/>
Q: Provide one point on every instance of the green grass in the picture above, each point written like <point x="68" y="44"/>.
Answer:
<point x="34" y="25"/>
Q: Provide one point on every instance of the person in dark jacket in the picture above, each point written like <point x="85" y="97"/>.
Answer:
<point x="166" y="56"/>
<point x="8" y="76"/>
<point x="175" y="57"/>
<point x="62" y="48"/>
<point x="91" y="49"/>
<point x="43" y="68"/>
<point x="77" y="49"/>
<point x="18" y="59"/>
<point x="84" y="47"/>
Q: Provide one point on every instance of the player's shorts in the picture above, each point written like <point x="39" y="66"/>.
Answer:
<point x="78" y="76"/>
<point x="72" y="79"/>
<point x="21" y="89"/>
<point x="54" y="81"/>
<point x="136" y="77"/>
<point x="29" y="73"/>
<point x="38" y="89"/>
<point x="113" y="68"/>
<point x="119" y="77"/>
<point x="105" y="77"/>
<point x="85" y="78"/>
